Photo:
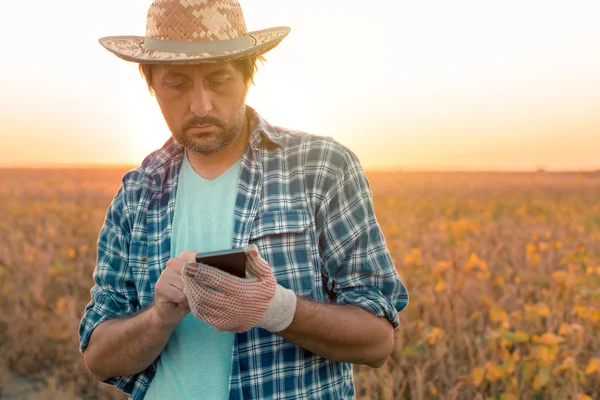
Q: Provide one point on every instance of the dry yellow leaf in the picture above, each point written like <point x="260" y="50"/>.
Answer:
<point x="542" y="310"/>
<point x="535" y="259"/>
<point x="441" y="266"/>
<point x="530" y="249"/>
<point x="564" y="329"/>
<point x="593" y="365"/>
<point x="475" y="316"/>
<point x="439" y="287"/>
<point x="61" y="304"/>
<point x="482" y="275"/>
<point x="499" y="281"/>
<point x="541" y="378"/>
<point x="413" y="258"/>
<point x="392" y="229"/>
<point x="581" y="311"/>
<point x="435" y="335"/>
<point x="516" y="355"/>
<point x="567" y="364"/>
<point x="582" y="396"/>
<point x="433" y="390"/>
<point x="494" y="372"/>
<point x="509" y="366"/>
<point x="520" y="337"/>
<point x="549" y="339"/>
<point x="589" y="271"/>
<point x="475" y="262"/>
<point x="497" y="314"/>
<point x="541" y="353"/>
<point x="486" y="301"/>
<point x="516" y="315"/>
<point x="477" y="376"/>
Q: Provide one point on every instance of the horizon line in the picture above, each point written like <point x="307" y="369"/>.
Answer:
<point x="366" y="168"/>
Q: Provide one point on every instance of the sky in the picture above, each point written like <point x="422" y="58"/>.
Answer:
<point x="435" y="85"/>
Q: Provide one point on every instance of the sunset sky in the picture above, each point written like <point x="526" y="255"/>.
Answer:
<point x="511" y="85"/>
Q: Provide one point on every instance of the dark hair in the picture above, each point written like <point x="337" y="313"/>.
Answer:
<point x="247" y="66"/>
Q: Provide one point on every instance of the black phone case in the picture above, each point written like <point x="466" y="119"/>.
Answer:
<point x="231" y="261"/>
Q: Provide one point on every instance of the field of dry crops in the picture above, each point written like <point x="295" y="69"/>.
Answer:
<point x="503" y="272"/>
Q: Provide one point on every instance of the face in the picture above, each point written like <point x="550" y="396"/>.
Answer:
<point x="203" y="104"/>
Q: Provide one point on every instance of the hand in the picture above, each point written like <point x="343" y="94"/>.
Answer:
<point x="170" y="303"/>
<point x="234" y="304"/>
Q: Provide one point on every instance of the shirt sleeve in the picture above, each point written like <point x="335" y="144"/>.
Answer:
<point x="113" y="294"/>
<point x="355" y="259"/>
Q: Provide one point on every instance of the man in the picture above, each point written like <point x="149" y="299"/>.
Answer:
<point x="321" y="290"/>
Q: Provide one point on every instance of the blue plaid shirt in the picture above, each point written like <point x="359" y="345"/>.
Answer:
<point x="305" y="202"/>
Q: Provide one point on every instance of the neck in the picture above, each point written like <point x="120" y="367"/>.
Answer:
<point x="211" y="167"/>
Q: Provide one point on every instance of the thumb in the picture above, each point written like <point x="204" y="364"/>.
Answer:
<point x="187" y="256"/>
<point x="255" y="264"/>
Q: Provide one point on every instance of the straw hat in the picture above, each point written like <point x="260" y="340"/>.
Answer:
<point x="189" y="31"/>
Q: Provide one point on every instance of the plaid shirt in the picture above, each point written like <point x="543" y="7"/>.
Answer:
<point x="305" y="202"/>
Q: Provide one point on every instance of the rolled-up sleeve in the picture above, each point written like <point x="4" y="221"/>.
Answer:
<point x="113" y="294"/>
<point x="355" y="258"/>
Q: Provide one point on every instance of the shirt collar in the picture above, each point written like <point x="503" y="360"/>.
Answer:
<point x="261" y="130"/>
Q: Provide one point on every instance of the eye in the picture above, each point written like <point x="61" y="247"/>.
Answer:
<point x="218" y="82"/>
<point x="177" y="85"/>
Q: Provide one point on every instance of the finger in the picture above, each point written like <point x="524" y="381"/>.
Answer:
<point x="251" y="248"/>
<point x="185" y="304"/>
<point x="190" y="269"/>
<point x="220" y="281"/>
<point x="170" y="293"/>
<point x="176" y="282"/>
<point x="256" y="265"/>
<point x="210" y="316"/>
<point x="209" y="276"/>
<point x="187" y="255"/>
<point x="199" y="294"/>
<point x="174" y="264"/>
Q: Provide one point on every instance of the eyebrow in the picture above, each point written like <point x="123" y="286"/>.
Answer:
<point x="220" y="71"/>
<point x="176" y="74"/>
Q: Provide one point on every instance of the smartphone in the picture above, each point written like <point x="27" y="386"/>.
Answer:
<point x="232" y="261"/>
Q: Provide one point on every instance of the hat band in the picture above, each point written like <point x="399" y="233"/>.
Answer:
<point x="186" y="46"/>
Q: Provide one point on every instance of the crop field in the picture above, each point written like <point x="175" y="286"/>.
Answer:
<point x="503" y="272"/>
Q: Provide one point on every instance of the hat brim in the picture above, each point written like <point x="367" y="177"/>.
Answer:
<point x="131" y="48"/>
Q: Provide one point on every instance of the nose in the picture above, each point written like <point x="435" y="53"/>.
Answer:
<point x="201" y="101"/>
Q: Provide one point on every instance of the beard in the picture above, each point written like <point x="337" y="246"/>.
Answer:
<point x="211" y="143"/>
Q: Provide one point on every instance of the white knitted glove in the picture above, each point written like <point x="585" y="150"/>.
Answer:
<point x="234" y="304"/>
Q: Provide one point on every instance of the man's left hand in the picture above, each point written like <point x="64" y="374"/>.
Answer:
<point x="234" y="304"/>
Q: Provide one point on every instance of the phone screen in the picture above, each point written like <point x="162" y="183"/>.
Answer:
<point x="232" y="261"/>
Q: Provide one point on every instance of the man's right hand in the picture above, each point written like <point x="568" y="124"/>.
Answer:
<point x="170" y="303"/>
<point x="127" y="346"/>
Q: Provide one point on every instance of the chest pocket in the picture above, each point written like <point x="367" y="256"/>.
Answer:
<point x="284" y="239"/>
